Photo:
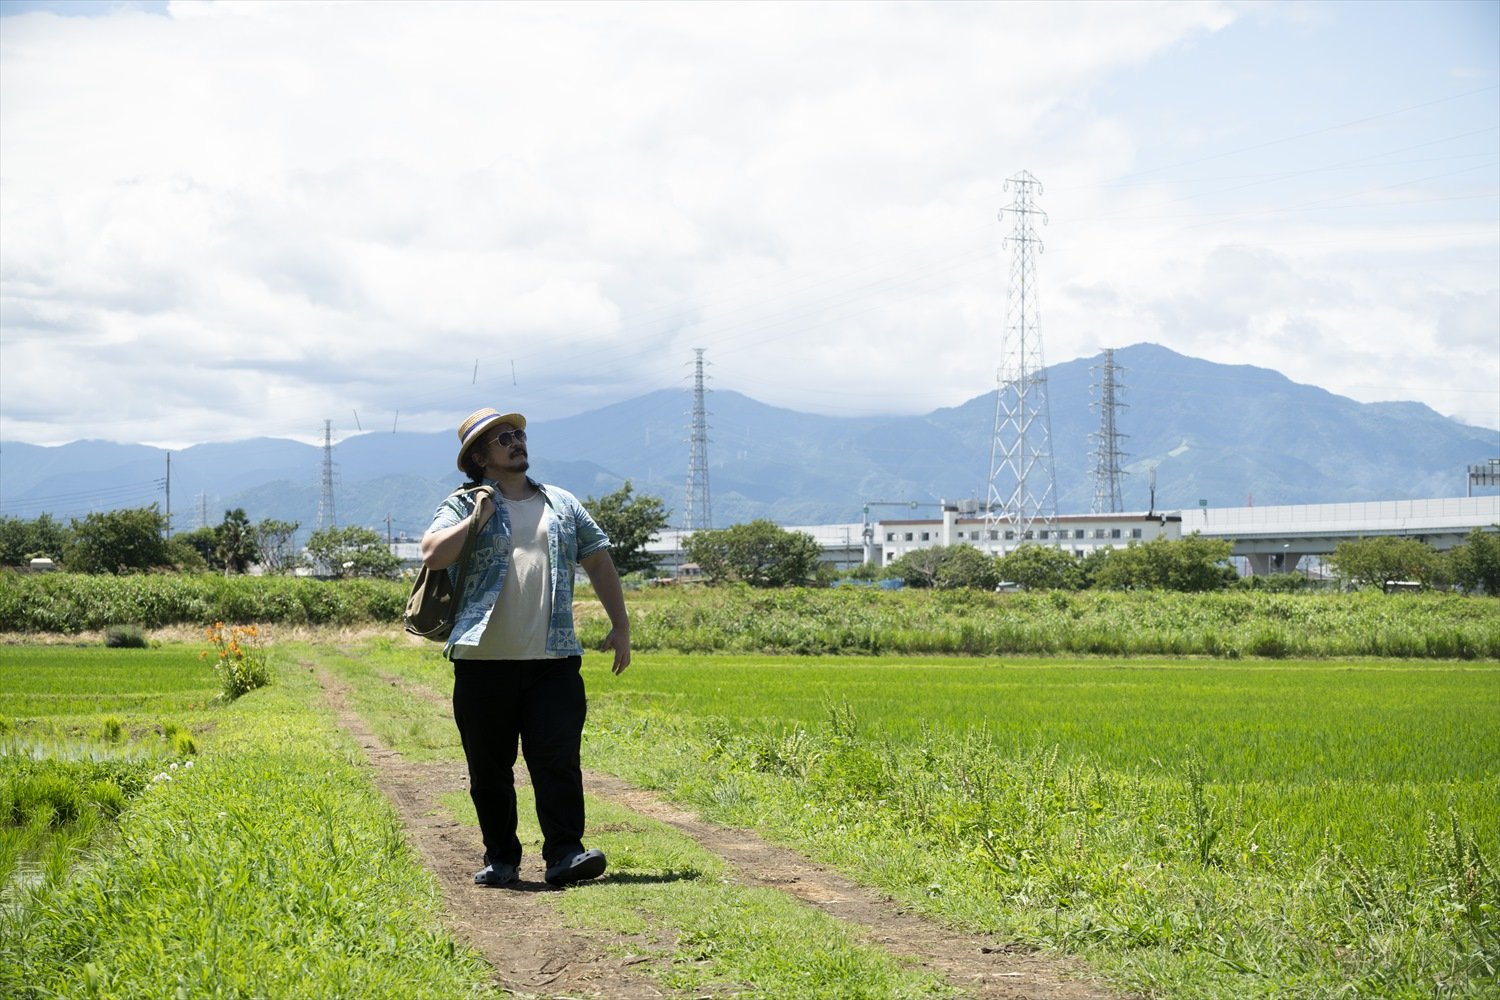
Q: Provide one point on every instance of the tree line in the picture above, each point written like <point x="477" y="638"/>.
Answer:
<point x="1196" y="564"/>
<point x="757" y="553"/>
<point x="134" y="540"/>
<point x="762" y="554"/>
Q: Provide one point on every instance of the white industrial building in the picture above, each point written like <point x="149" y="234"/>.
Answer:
<point x="1078" y="534"/>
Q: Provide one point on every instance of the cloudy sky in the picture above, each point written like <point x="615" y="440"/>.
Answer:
<point x="226" y="220"/>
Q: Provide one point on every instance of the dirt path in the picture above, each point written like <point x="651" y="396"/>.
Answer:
<point x="534" y="955"/>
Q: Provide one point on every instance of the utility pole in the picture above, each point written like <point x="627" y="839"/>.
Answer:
<point x="1483" y="475"/>
<point x="326" y="518"/>
<point x="1107" y="452"/>
<point x="1022" y="488"/>
<point x="169" y="496"/>
<point x="697" y="511"/>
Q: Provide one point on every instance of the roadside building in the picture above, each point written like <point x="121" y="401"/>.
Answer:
<point x="1078" y="534"/>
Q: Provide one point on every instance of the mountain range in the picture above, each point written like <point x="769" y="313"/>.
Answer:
<point x="1230" y="435"/>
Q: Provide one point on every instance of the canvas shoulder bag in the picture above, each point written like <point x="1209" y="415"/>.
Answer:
<point x="432" y="607"/>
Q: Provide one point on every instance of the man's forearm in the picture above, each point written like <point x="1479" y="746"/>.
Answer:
<point x="606" y="582"/>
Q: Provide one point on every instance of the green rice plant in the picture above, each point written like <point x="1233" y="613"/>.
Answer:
<point x="66" y="847"/>
<point x="111" y="730"/>
<point x="46" y="798"/>
<point x="107" y="797"/>
<point x="13" y="843"/>
<point x="57" y="681"/>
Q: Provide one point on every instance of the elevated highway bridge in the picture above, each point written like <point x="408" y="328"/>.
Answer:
<point x="1273" y="539"/>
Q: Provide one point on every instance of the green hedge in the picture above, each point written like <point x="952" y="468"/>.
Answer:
<point x="738" y="619"/>
<point x="1143" y="623"/>
<point x="71" y="602"/>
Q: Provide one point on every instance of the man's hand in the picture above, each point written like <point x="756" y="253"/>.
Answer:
<point x="601" y="570"/>
<point x="619" y="641"/>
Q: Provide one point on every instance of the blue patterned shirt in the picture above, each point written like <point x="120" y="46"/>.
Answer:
<point x="572" y="535"/>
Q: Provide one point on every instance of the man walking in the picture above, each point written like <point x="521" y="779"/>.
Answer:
<point x="515" y="654"/>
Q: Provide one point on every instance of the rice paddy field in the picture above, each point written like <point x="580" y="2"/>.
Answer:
<point x="1190" y="827"/>
<point x="1193" y="828"/>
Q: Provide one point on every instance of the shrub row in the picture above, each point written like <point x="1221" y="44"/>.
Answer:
<point x="1227" y="624"/>
<point x="70" y="603"/>
<point x="738" y="619"/>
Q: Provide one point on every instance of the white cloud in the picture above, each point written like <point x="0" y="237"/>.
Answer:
<point x="345" y="207"/>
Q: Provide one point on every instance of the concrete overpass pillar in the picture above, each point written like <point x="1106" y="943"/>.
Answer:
<point x="1262" y="563"/>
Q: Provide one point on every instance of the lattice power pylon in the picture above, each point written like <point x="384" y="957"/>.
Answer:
<point x="326" y="518"/>
<point x="1107" y="453"/>
<point x="697" y="511"/>
<point x="1023" y="479"/>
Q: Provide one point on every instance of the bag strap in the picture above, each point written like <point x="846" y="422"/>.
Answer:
<point x="473" y="533"/>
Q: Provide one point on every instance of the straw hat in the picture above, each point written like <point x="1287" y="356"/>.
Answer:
<point x="480" y="421"/>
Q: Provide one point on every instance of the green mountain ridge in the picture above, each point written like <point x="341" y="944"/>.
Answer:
<point x="1231" y="435"/>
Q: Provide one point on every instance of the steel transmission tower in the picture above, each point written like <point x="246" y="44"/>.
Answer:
<point x="1023" y="480"/>
<point x="326" y="517"/>
<point x="698" y="514"/>
<point x="1107" y="453"/>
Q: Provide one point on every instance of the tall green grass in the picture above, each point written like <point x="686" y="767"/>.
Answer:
<point x="848" y="621"/>
<point x="1232" y="624"/>
<point x="70" y="603"/>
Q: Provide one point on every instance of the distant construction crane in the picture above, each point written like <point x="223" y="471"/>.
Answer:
<point x="697" y="510"/>
<point x="1022" y="487"/>
<point x="326" y="518"/>
<point x="1107" y="453"/>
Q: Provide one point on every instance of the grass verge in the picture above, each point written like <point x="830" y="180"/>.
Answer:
<point x="269" y="867"/>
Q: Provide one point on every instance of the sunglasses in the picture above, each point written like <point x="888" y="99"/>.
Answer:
<point x="504" y="438"/>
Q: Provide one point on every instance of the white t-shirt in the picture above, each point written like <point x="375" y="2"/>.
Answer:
<point x="517" y="629"/>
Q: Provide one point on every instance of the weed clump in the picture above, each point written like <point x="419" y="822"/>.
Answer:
<point x="125" y="637"/>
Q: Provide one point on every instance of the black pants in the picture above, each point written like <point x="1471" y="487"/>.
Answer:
<point x="541" y="704"/>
